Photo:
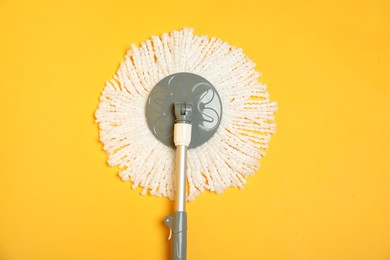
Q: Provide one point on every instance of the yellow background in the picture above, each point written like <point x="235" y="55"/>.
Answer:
<point x="323" y="191"/>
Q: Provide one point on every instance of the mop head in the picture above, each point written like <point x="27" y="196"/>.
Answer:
<point x="228" y="158"/>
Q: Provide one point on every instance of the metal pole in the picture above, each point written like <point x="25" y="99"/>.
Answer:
<point x="180" y="177"/>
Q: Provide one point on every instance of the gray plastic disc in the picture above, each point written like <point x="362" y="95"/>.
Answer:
<point x="184" y="87"/>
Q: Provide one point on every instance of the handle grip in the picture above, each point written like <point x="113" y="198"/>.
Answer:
<point x="178" y="225"/>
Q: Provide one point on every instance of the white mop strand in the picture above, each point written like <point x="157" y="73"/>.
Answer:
<point x="230" y="156"/>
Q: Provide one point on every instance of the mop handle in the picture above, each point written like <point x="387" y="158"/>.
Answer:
<point x="178" y="222"/>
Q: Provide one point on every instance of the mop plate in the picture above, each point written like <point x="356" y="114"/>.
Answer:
<point x="136" y="116"/>
<point x="186" y="88"/>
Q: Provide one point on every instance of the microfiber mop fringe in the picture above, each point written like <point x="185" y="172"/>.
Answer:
<point x="230" y="156"/>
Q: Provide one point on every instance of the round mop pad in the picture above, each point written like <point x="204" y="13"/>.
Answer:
<point x="232" y="153"/>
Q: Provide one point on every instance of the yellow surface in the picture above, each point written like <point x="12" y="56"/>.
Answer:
<point x="323" y="191"/>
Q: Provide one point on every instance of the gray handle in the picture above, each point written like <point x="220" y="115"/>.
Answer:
<point x="178" y="225"/>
